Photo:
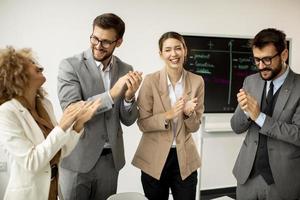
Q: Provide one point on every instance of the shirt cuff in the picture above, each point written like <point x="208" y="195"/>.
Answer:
<point x="261" y="119"/>
<point x="111" y="100"/>
<point x="247" y="114"/>
<point x="129" y="103"/>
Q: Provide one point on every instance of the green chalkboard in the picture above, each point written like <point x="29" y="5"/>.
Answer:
<point x="223" y="62"/>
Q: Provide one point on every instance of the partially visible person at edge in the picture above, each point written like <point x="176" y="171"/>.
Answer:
<point x="91" y="170"/>
<point x="170" y="105"/>
<point x="29" y="133"/>
<point x="268" y="165"/>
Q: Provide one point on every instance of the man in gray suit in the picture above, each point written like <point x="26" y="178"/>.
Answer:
<point x="91" y="170"/>
<point x="268" y="165"/>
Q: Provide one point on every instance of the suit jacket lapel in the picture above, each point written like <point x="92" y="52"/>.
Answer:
<point x="93" y="69"/>
<point x="187" y="85"/>
<point x="258" y="90"/>
<point x="187" y="95"/>
<point x="284" y="94"/>
<point x="163" y="90"/>
<point x="114" y="75"/>
<point x="32" y="134"/>
<point x="164" y="93"/>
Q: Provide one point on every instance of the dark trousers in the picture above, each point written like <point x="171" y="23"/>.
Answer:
<point x="97" y="184"/>
<point x="170" y="178"/>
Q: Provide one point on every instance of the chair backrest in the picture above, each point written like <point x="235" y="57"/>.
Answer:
<point x="127" y="196"/>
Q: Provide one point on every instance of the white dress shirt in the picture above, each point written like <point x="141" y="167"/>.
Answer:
<point x="106" y="77"/>
<point x="174" y="94"/>
<point x="277" y="84"/>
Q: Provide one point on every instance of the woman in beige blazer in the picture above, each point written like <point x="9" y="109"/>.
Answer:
<point x="29" y="132"/>
<point x="170" y="105"/>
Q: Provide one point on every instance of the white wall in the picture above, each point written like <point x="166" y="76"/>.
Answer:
<point x="57" y="29"/>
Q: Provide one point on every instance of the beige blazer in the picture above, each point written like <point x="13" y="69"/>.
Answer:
<point x="29" y="152"/>
<point x="153" y="102"/>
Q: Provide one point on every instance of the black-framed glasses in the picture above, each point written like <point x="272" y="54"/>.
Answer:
<point x="104" y="43"/>
<point x="266" y="60"/>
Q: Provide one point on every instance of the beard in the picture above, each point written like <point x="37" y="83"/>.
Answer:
<point x="106" y="54"/>
<point x="274" y="72"/>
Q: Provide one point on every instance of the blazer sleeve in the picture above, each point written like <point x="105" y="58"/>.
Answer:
<point x="68" y="147"/>
<point x="148" y="121"/>
<point x="13" y="136"/>
<point x="69" y="87"/>
<point x="74" y="136"/>
<point x="239" y="120"/>
<point x="285" y="131"/>
<point x="128" y="114"/>
<point x="192" y="123"/>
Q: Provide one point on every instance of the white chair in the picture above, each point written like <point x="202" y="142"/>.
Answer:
<point x="127" y="196"/>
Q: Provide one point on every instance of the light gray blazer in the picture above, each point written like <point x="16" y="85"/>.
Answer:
<point x="80" y="79"/>
<point x="283" y="131"/>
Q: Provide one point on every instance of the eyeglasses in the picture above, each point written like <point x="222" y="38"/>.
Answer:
<point x="104" y="43"/>
<point x="266" y="60"/>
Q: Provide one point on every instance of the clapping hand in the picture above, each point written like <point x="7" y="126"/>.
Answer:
<point x="175" y="110"/>
<point x="117" y="89"/>
<point x="70" y="114"/>
<point x="189" y="106"/>
<point x="78" y="113"/>
<point x="85" y="114"/>
<point x="248" y="104"/>
<point x="133" y="82"/>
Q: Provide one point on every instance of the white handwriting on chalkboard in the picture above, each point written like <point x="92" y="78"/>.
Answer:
<point x="202" y="56"/>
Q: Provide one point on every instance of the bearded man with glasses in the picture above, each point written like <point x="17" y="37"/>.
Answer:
<point x="268" y="165"/>
<point x="91" y="170"/>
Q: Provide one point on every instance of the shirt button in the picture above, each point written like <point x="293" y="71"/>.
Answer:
<point x="103" y="137"/>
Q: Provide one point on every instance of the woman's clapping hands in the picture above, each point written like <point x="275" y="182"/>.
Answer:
<point x="78" y="114"/>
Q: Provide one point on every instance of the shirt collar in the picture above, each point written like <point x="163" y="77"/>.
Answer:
<point x="279" y="81"/>
<point x="101" y="66"/>
<point x="178" y="82"/>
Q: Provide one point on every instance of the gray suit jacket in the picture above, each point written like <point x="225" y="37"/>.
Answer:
<point x="80" y="79"/>
<point x="283" y="131"/>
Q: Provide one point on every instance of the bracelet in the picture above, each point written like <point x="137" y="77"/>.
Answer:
<point x="189" y="115"/>
<point x="166" y="124"/>
<point x="129" y="101"/>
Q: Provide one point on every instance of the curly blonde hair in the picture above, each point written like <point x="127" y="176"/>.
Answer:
<point x="13" y="73"/>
